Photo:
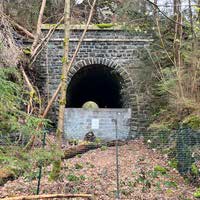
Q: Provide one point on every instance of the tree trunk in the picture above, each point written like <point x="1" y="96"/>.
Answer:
<point x="198" y="11"/>
<point x="39" y="25"/>
<point x="155" y="11"/>
<point x="65" y="69"/>
<point x="177" y="44"/>
<point x="191" y="22"/>
<point x="1" y="6"/>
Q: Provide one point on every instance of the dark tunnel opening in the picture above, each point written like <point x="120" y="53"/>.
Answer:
<point x="97" y="83"/>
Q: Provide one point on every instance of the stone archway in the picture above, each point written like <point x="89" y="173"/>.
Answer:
<point x="100" y="80"/>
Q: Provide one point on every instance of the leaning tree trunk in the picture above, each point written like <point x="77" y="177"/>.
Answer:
<point x="65" y="69"/>
<point x="39" y="25"/>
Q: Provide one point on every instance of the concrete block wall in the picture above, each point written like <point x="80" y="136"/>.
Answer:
<point x="79" y="121"/>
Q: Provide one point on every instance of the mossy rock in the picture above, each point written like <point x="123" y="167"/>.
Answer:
<point x="90" y="105"/>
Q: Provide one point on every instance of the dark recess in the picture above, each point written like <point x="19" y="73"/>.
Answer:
<point x="97" y="83"/>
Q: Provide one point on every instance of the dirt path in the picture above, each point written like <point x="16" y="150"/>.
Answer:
<point x="94" y="172"/>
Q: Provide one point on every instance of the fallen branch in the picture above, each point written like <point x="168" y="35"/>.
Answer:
<point x="50" y="196"/>
<point x="17" y="26"/>
<point x="83" y="148"/>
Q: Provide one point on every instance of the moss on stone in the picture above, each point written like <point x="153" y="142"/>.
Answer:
<point x="104" y="25"/>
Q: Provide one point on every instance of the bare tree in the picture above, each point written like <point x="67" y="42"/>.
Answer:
<point x="177" y="44"/>
<point x="65" y="68"/>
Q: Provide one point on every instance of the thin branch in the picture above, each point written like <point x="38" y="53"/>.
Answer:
<point x="27" y="79"/>
<point x="44" y="42"/>
<point x="39" y="25"/>
<point x="89" y="3"/>
<point x="16" y="25"/>
<point x="156" y="6"/>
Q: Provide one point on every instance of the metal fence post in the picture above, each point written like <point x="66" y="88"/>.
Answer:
<point x="117" y="160"/>
<point x="40" y="165"/>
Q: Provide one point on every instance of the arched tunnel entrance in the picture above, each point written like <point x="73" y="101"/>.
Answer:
<point x="106" y="87"/>
<point x="97" y="83"/>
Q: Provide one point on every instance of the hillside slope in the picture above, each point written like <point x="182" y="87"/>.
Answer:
<point x="144" y="174"/>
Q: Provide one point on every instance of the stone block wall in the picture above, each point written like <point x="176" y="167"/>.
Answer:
<point x="114" y="48"/>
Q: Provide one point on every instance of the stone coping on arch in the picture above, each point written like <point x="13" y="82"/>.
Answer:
<point x="101" y="61"/>
<point x="82" y="27"/>
<point x="97" y="27"/>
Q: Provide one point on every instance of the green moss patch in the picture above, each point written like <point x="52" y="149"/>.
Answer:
<point x="193" y="121"/>
<point x="197" y="193"/>
<point x="160" y="169"/>
<point x="104" y="25"/>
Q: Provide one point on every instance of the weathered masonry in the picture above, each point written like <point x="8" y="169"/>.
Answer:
<point x="104" y="72"/>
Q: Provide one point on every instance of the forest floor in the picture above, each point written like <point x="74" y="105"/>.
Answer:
<point x="95" y="172"/>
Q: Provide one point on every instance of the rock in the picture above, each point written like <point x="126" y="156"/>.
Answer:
<point x="90" y="137"/>
<point x="90" y="105"/>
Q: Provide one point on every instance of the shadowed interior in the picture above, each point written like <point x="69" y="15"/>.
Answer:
<point x="97" y="83"/>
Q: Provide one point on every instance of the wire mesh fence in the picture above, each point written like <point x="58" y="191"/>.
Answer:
<point x="155" y="166"/>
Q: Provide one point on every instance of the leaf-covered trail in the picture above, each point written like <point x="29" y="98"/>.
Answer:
<point x="94" y="172"/>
